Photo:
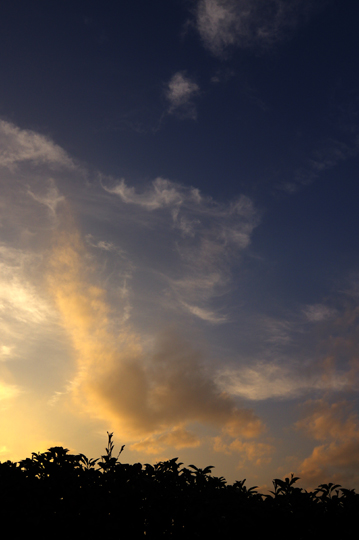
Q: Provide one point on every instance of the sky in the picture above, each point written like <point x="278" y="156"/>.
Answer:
<point x="179" y="257"/>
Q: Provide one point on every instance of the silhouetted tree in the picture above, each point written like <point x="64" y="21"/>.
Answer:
<point x="58" y="493"/>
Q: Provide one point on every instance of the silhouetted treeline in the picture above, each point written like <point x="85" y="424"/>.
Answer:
<point x="57" y="493"/>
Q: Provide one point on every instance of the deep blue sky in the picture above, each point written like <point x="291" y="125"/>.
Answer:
<point x="92" y="75"/>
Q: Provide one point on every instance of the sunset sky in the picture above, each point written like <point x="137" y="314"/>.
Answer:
<point x="179" y="233"/>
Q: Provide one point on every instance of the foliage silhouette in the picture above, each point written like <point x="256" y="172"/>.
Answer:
<point x="79" y="497"/>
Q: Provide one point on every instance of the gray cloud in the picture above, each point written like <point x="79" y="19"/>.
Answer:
<point x="19" y="145"/>
<point x="329" y="153"/>
<point x="180" y="93"/>
<point x="205" y="314"/>
<point x="245" y="23"/>
<point x="162" y="193"/>
<point x="277" y="380"/>
<point x="51" y="198"/>
<point x="319" y="312"/>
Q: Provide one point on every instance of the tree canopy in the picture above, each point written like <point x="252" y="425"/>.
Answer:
<point x="82" y="497"/>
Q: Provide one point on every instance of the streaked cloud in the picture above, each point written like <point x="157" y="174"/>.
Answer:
<point x="266" y="380"/>
<point x="204" y="314"/>
<point x="180" y="93"/>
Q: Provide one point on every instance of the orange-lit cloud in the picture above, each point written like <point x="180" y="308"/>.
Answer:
<point x="336" y="459"/>
<point x="178" y="437"/>
<point x="256" y="452"/>
<point x="141" y="391"/>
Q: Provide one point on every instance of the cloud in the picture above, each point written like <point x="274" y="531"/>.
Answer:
<point x="258" y="453"/>
<point x="244" y="23"/>
<point x="19" y="145"/>
<point x="5" y="351"/>
<point x="322" y="420"/>
<point x="332" y="151"/>
<point x="51" y="198"/>
<point x="94" y="321"/>
<point x="8" y="391"/>
<point x="277" y="332"/>
<point x="340" y="338"/>
<point x="142" y="392"/>
<point x="19" y="299"/>
<point x="180" y="92"/>
<point x="190" y="211"/>
<point x="204" y="314"/>
<point x="274" y="380"/>
<point x="162" y="194"/>
<point x="178" y="438"/>
<point x="336" y="426"/>
<point x="329" y="153"/>
<point x="293" y="358"/>
<point x="319" y="312"/>
<point x="118" y="276"/>
<point x="203" y="239"/>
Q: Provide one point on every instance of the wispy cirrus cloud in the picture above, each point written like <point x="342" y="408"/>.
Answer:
<point x="180" y="93"/>
<point x="206" y="237"/>
<point x="329" y="153"/>
<point x="205" y="314"/>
